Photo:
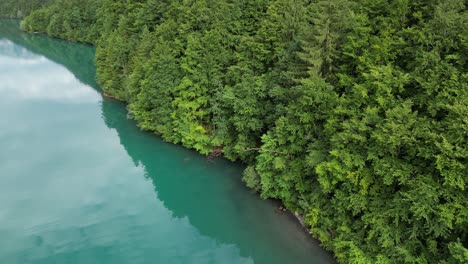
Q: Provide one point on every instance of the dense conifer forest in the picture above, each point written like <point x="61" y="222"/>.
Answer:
<point x="353" y="113"/>
<point x="20" y="8"/>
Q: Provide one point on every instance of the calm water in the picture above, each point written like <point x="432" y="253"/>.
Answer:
<point x="79" y="183"/>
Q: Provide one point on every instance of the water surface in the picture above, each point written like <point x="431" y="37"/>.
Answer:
<point x="80" y="183"/>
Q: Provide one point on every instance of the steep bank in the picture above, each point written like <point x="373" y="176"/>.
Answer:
<point x="353" y="113"/>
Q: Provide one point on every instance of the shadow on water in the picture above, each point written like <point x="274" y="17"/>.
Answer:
<point x="213" y="200"/>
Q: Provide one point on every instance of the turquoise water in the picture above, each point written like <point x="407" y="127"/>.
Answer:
<point x="80" y="183"/>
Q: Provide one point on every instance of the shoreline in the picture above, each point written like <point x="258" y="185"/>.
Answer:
<point x="280" y="207"/>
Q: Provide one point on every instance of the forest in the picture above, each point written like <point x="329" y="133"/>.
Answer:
<point x="20" y="8"/>
<point x="353" y="113"/>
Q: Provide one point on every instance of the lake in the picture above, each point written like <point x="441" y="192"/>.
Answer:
<point x="80" y="183"/>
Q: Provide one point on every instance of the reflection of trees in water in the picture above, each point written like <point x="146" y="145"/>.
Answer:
<point x="209" y="193"/>
<point x="9" y="49"/>
<point x="77" y="58"/>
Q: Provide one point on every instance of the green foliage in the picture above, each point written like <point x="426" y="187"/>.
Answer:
<point x="353" y="112"/>
<point x="21" y="8"/>
<point x="459" y="254"/>
<point x="251" y="179"/>
<point x="73" y="20"/>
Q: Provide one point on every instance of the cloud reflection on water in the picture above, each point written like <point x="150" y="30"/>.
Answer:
<point x="32" y="77"/>
<point x="69" y="191"/>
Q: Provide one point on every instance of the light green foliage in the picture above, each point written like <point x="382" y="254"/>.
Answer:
<point x="354" y="113"/>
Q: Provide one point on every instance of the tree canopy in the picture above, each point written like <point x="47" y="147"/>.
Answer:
<point x="20" y="8"/>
